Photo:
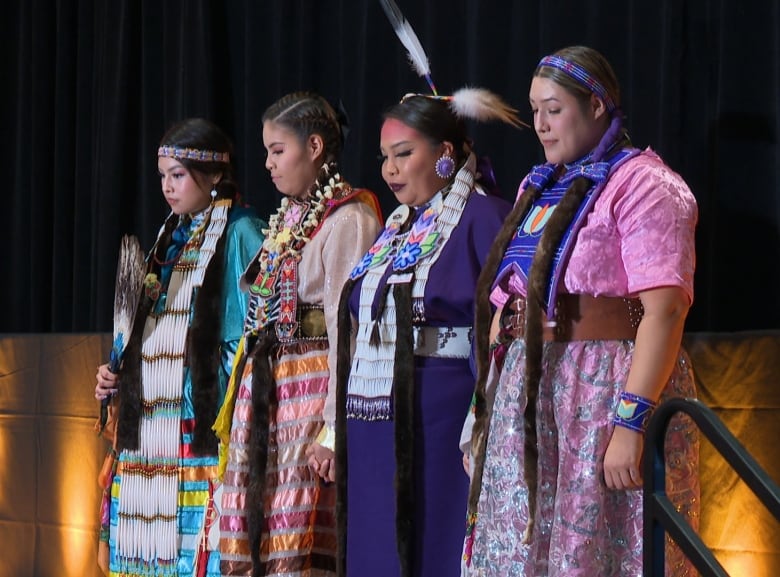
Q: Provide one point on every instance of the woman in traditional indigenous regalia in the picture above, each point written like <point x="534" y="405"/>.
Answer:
<point x="277" y="516"/>
<point x="592" y="275"/>
<point x="160" y="507"/>
<point x="403" y="401"/>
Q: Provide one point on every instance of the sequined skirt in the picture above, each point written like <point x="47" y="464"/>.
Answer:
<point x="582" y="528"/>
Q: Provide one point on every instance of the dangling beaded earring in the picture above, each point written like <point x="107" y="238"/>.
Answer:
<point x="213" y="193"/>
<point x="445" y="166"/>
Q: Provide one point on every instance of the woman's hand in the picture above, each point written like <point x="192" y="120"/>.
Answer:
<point x="106" y="383"/>
<point x="623" y="459"/>
<point x="656" y="349"/>
<point x="322" y="461"/>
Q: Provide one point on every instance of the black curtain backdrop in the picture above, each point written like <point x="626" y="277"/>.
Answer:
<point x="90" y="86"/>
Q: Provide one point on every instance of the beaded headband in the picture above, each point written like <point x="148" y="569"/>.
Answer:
<point x="582" y="76"/>
<point x="193" y="154"/>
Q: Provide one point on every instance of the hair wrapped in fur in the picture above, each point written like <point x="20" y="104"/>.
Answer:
<point x="403" y="415"/>
<point x="403" y="403"/>
<point x="539" y="275"/>
<point x="343" y="367"/>
<point x="204" y="351"/>
<point x="483" y="316"/>
<point x="263" y="396"/>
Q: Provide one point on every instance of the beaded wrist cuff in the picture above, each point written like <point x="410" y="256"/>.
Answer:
<point x="633" y="412"/>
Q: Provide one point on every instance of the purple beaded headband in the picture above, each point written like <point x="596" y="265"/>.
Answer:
<point x="580" y="75"/>
<point x="193" y="154"/>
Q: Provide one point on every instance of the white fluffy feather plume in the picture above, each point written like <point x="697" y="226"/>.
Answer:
<point x="482" y="105"/>
<point x="403" y="29"/>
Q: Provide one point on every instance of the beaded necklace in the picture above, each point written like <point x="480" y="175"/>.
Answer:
<point x="290" y="230"/>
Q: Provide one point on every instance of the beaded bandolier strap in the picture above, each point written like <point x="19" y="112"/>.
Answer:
<point x="147" y="527"/>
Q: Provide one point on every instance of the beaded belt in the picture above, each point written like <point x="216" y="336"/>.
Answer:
<point x="579" y="317"/>
<point x="442" y="342"/>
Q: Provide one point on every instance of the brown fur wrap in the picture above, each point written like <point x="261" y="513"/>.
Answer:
<point x="403" y="415"/>
<point x="203" y="353"/>
<point x="541" y="268"/>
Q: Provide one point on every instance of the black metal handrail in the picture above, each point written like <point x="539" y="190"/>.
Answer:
<point x="660" y="515"/>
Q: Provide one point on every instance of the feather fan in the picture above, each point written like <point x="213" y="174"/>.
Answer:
<point x="482" y="105"/>
<point x="127" y="294"/>
<point x="403" y="29"/>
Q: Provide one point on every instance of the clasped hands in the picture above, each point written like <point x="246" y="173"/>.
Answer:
<point x="322" y="461"/>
